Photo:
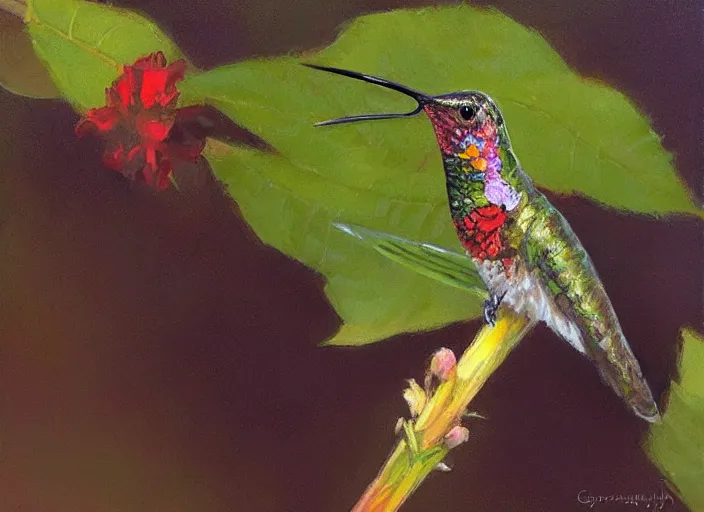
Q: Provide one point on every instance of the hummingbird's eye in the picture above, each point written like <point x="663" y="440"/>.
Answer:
<point x="467" y="112"/>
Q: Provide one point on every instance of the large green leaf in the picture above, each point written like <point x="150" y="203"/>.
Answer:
<point x="676" y="445"/>
<point x="375" y="296"/>
<point x="571" y="134"/>
<point x="21" y="71"/>
<point x="85" y="45"/>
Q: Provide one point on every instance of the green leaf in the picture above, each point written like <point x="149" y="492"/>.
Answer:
<point x="676" y="445"/>
<point x="445" y="266"/>
<point x="85" y="45"/>
<point x="293" y="209"/>
<point x="21" y="71"/>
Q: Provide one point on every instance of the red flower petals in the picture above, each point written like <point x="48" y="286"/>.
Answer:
<point x="137" y="121"/>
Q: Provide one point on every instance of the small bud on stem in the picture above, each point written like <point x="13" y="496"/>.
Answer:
<point x="456" y="436"/>
<point x="443" y="364"/>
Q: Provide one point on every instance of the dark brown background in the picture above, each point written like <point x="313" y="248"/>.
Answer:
<point x="155" y="357"/>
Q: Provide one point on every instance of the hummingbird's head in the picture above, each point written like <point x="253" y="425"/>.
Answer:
<point x="467" y="124"/>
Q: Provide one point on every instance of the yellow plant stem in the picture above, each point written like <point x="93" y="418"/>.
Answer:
<point x="410" y="463"/>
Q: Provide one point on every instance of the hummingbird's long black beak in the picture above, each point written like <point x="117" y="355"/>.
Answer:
<point x="421" y="98"/>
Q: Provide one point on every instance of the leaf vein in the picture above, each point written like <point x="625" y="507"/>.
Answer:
<point x="572" y="152"/>
<point x="73" y="20"/>
<point x="106" y="34"/>
<point x="82" y="44"/>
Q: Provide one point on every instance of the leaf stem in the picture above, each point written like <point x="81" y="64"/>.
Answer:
<point x="15" y="7"/>
<point x="406" y="467"/>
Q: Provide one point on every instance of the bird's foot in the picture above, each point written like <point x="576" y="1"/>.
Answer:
<point x="491" y="306"/>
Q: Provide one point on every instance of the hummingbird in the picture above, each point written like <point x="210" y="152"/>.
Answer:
<point x="524" y="250"/>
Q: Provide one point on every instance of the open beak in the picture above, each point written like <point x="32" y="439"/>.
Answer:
<point x="421" y="98"/>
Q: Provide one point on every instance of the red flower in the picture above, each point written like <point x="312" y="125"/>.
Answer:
<point x="137" y="121"/>
<point x="480" y="231"/>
